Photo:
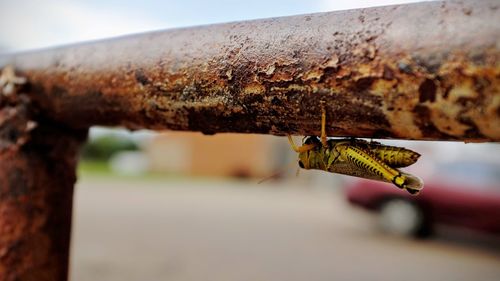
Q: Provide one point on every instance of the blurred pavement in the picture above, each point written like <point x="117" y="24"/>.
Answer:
<point x="229" y="230"/>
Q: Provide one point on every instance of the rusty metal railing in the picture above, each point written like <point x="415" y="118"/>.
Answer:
<point x="427" y="71"/>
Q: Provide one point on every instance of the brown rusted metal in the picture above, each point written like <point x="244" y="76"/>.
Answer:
<point x="419" y="71"/>
<point x="36" y="189"/>
<point x="37" y="174"/>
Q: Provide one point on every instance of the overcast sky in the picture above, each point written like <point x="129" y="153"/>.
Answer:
<point x="29" y="24"/>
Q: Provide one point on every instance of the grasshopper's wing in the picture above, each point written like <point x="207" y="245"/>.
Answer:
<point x="414" y="183"/>
<point x="346" y="168"/>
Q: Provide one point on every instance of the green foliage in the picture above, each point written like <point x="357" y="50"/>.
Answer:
<point x="102" y="148"/>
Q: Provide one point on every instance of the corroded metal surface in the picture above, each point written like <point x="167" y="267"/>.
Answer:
<point x="36" y="189"/>
<point x="420" y="71"/>
<point x="37" y="174"/>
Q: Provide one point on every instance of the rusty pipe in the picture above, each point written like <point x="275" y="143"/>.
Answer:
<point x="36" y="192"/>
<point x="426" y="71"/>
<point x="37" y="173"/>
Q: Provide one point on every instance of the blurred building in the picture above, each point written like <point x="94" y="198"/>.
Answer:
<point x="239" y="155"/>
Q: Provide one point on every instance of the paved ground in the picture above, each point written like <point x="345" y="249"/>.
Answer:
<point x="194" y="230"/>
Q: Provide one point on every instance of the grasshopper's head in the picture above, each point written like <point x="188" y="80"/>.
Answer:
<point x="303" y="160"/>
<point x="307" y="159"/>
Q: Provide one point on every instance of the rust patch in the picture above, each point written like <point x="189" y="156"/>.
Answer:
<point x="405" y="67"/>
<point x="15" y="119"/>
<point x="363" y="84"/>
<point x="388" y="73"/>
<point x="9" y="81"/>
<point x="427" y="91"/>
<point x="141" y="77"/>
<point x="208" y="122"/>
<point x="430" y="63"/>
<point x="424" y="122"/>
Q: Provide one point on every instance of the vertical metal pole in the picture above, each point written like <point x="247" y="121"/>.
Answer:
<point x="37" y="174"/>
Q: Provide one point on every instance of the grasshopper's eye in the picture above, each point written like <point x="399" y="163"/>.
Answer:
<point x="311" y="140"/>
<point x="301" y="164"/>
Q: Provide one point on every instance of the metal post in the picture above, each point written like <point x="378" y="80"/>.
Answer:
<point x="37" y="173"/>
<point x="36" y="190"/>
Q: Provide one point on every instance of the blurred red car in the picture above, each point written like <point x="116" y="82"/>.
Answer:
<point x="459" y="194"/>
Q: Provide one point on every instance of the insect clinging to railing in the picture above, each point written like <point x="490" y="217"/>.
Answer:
<point x="358" y="158"/>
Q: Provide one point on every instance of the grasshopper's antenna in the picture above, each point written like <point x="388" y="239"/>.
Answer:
<point x="277" y="173"/>
<point x="272" y="176"/>
<point x="323" y="125"/>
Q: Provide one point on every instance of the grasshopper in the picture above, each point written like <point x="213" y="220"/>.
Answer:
<point x="358" y="158"/>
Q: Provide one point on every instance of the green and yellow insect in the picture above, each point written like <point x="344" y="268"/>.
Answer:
<point x="358" y="158"/>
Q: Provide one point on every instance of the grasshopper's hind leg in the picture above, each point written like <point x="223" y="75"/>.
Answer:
<point x="368" y="162"/>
